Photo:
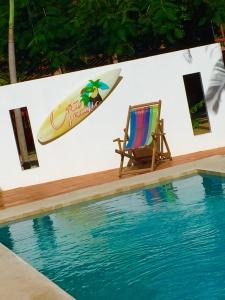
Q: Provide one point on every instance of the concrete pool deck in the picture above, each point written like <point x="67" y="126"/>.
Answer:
<point x="28" y="283"/>
<point x="20" y="281"/>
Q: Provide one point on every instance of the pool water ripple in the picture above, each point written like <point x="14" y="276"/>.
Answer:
<point x="165" y="242"/>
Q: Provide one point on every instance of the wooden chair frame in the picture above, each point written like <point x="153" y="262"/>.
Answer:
<point x="154" y="150"/>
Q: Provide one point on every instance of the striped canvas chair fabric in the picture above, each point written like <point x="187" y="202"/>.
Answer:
<point x="143" y="122"/>
<point x="145" y="138"/>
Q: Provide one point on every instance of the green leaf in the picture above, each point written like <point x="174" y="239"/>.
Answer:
<point x="97" y="83"/>
<point x="85" y="99"/>
<point x="178" y="33"/>
<point x="89" y="89"/>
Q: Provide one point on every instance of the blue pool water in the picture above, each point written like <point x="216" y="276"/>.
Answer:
<point x="166" y="242"/>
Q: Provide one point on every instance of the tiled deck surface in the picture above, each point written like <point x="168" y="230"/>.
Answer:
<point x="32" y="193"/>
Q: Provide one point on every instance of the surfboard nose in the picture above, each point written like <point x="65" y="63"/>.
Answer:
<point x="117" y="71"/>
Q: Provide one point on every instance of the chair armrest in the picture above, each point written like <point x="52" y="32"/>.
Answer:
<point x="118" y="140"/>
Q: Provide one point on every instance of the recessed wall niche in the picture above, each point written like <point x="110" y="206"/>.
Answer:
<point x="196" y="103"/>
<point x="24" y="138"/>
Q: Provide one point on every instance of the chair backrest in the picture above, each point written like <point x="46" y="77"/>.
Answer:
<point x="143" y="121"/>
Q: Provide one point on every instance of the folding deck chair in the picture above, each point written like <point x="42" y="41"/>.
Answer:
<point x="146" y="138"/>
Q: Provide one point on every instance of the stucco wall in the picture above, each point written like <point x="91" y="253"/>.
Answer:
<point x="88" y="147"/>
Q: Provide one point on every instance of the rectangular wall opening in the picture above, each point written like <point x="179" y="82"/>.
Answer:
<point x="24" y="138"/>
<point x="196" y="103"/>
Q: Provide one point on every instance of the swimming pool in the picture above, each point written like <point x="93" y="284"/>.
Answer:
<point x="165" y="242"/>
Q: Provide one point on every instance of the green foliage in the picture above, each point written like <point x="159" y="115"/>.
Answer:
<point x="3" y="81"/>
<point x="195" y="123"/>
<point x="42" y="38"/>
<point x="216" y="10"/>
<point x="165" y="19"/>
<point x="105" y="26"/>
<point x="52" y="35"/>
<point x="195" y="108"/>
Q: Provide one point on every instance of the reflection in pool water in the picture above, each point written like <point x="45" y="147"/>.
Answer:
<point x="165" y="242"/>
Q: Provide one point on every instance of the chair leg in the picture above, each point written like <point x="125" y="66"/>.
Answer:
<point x="153" y="155"/>
<point x="167" y="147"/>
<point x="129" y="164"/>
<point x="121" y="166"/>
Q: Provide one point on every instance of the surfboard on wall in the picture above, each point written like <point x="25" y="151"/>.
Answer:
<point x="77" y="106"/>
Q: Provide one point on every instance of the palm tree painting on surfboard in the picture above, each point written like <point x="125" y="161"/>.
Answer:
<point x="77" y="106"/>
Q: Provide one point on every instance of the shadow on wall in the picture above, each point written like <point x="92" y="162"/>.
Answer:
<point x="216" y="85"/>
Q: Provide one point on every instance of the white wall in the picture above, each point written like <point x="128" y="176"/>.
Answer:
<point x="88" y="147"/>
